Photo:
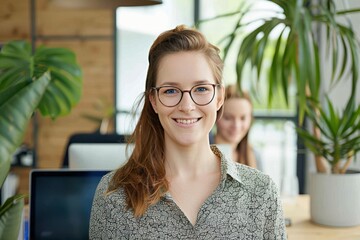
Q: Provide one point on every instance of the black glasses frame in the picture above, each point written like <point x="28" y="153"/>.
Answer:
<point x="188" y="91"/>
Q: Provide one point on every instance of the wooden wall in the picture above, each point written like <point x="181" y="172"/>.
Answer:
<point x="89" y="33"/>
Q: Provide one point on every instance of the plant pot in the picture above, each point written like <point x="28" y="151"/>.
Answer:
<point x="335" y="199"/>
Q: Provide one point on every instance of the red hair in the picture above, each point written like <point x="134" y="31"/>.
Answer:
<point x="143" y="177"/>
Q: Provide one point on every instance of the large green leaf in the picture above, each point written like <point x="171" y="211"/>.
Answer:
<point x="15" y="113"/>
<point x="49" y="80"/>
<point x="65" y="90"/>
<point x="4" y="170"/>
<point x="17" y="64"/>
<point x="11" y="217"/>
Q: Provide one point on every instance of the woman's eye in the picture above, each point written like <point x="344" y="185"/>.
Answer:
<point x="201" y="89"/>
<point x="170" y="91"/>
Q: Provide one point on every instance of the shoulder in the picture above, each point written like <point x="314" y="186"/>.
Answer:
<point x="104" y="182"/>
<point x="251" y="176"/>
<point x="116" y="197"/>
<point x="247" y="178"/>
<point x="253" y="180"/>
<point x="108" y="212"/>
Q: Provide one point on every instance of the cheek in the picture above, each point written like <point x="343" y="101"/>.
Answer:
<point x="247" y="124"/>
<point x="153" y="103"/>
<point x="223" y="123"/>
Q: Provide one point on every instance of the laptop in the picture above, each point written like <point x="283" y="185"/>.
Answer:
<point x="60" y="203"/>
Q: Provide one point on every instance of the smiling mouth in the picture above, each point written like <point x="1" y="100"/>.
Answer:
<point x="187" y="121"/>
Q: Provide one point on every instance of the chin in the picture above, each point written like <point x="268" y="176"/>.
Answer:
<point x="187" y="141"/>
<point x="184" y="144"/>
<point x="232" y="140"/>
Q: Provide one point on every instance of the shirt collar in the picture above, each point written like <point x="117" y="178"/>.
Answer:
<point x="228" y="166"/>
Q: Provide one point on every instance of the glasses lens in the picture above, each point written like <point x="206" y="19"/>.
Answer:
<point x="169" y="96"/>
<point x="203" y="94"/>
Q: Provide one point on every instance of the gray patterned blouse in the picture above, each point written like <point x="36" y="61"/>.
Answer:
<point x="245" y="205"/>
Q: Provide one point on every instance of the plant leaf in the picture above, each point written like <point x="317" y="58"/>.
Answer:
<point x="19" y="109"/>
<point x="65" y="88"/>
<point x="11" y="217"/>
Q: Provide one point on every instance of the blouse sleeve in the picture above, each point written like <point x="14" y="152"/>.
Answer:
<point x="99" y="213"/>
<point x="274" y="224"/>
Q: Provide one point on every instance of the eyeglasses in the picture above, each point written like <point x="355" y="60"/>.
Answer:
<point x="201" y="94"/>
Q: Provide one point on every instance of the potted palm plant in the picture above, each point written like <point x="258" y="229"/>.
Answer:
<point x="292" y="40"/>
<point x="48" y="80"/>
<point x="334" y="197"/>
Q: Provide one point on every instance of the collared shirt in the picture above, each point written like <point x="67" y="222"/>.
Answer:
<point x="245" y="205"/>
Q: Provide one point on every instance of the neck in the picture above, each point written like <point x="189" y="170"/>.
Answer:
<point x="190" y="161"/>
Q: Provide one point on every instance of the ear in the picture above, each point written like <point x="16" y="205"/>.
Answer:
<point x="220" y="97"/>
<point x="153" y="102"/>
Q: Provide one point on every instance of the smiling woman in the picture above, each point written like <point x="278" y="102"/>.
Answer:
<point x="187" y="70"/>
<point x="175" y="185"/>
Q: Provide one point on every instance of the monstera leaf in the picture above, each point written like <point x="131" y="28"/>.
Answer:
<point x="48" y="80"/>
<point x="18" y="65"/>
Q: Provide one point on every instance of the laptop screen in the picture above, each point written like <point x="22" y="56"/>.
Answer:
<point x="60" y="203"/>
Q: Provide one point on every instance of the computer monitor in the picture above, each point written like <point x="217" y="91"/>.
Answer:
<point x="60" y="203"/>
<point x="98" y="156"/>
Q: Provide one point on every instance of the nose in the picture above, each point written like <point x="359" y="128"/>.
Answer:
<point x="237" y="124"/>
<point x="186" y="104"/>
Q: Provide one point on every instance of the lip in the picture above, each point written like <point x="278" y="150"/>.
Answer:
<point x="186" y="122"/>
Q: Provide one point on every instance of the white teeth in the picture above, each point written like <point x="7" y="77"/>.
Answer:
<point x="186" y="121"/>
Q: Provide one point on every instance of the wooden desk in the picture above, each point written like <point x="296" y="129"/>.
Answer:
<point x="302" y="228"/>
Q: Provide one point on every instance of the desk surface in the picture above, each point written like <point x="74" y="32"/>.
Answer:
<point x="298" y="210"/>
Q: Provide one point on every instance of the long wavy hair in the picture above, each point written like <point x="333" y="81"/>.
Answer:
<point x="142" y="178"/>
<point x="243" y="148"/>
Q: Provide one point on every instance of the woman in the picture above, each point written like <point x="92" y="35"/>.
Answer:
<point x="234" y="125"/>
<point x="175" y="186"/>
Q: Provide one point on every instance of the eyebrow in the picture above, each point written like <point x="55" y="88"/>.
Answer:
<point x="195" y="83"/>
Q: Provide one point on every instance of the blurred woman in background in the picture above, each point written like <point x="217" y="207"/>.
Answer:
<point x="234" y="125"/>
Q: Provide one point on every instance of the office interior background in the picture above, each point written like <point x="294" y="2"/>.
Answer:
<point x="111" y="47"/>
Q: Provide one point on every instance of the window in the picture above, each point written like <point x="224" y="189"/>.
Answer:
<point x="137" y="28"/>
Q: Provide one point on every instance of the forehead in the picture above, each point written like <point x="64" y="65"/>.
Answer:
<point x="184" y="69"/>
<point x="237" y="106"/>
